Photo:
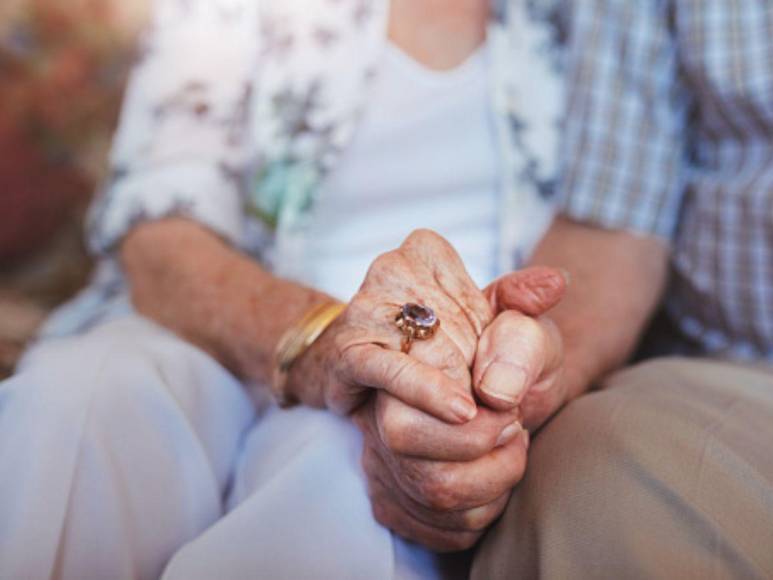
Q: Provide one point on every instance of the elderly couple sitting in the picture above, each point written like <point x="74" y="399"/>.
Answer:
<point x="358" y="254"/>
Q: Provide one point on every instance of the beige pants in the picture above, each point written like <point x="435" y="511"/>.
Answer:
<point x="665" y="473"/>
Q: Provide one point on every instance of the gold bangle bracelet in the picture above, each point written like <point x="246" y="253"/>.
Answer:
<point x="295" y="341"/>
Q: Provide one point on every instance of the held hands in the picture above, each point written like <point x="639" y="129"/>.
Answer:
<point x="442" y="485"/>
<point x="440" y="468"/>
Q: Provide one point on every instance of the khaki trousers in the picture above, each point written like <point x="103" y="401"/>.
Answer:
<point x="667" y="472"/>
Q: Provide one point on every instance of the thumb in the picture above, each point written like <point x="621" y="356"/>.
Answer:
<point x="531" y="291"/>
<point x="515" y="352"/>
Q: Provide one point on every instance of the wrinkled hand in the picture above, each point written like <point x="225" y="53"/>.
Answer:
<point x="437" y="484"/>
<point x="442" y="485"/>
<point x="360" y="351"/>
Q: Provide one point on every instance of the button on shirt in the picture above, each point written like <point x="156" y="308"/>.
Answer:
<point x="669" y="132"/>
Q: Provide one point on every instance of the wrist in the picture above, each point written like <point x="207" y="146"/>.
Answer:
<point x="258" y="308"/>
<point x="296" y="341"/>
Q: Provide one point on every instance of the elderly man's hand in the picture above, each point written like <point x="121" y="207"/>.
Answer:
<point x="519" y="362"/>
<point x="361" y="349"/>
<point x="442" y="485"/>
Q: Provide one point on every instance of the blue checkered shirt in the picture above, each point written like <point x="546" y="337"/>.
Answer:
<point x="670" y="133"/>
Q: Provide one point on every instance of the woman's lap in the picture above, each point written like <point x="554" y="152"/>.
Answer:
<point x="115" y="447"/>
<point x="299" y="508"/>
<point x="128" y="438"/>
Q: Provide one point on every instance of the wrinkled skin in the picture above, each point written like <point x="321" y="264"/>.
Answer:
<point x="440" y="467"/>
<point x="361" y="349"/>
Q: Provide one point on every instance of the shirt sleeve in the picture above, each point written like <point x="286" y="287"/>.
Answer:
<point x="623" y="153"/>
<point x="181" y="147"/>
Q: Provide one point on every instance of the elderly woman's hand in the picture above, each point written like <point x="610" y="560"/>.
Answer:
<point x="361" y="349"/>
<point x="443" y="485"/>
<point x="437" y="484"/>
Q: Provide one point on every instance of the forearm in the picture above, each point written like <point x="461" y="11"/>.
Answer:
<point x="617" y="280"/>
<point x="190" y="281"/>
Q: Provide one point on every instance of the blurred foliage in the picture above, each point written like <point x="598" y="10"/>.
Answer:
<point x="63" y="65"/>
<point x="63" y="68"/>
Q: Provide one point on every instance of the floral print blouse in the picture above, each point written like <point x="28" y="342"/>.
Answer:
<point x="237" y="109"/>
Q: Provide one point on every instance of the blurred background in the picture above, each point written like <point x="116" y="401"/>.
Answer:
<point x="63" y="67"/>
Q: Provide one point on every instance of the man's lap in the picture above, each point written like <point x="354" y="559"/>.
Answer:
<point x="665" y="472"/>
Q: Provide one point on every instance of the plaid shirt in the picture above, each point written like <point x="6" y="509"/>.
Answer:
<point x="670" y="133"/>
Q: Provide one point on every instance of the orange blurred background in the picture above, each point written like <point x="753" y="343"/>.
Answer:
<point x="63" y="67"/>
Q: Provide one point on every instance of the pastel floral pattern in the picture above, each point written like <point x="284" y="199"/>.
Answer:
<point x="238" y="110"/>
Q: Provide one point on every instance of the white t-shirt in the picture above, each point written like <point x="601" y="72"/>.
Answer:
<point x="424" y="156"/>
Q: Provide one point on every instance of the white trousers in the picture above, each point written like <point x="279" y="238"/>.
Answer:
<point x="126" y="452"/>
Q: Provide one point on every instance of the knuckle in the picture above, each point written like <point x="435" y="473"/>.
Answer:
<point x="540" y="405"/>
<point x="452" y="358"/>
<point x="468" y="541"/>
<point x="552" y="333"/>
<point x="384" y="269"/>
<point x="474" y="520"/>
<point x="384" y="260"/>
<point x="437" y="490"/>
<point x="517" y="470"/>
<point x="380" y="504"/>
<point x="426" y="238"/>
<point x="480" y="518"/>
<point x="421" y="234"/>
<point x="458" y="542"/>
<point x="508" y="317"/>
<point x="404" y="377"/>
<point x="531" y="330"/>
<point x="369" y="462"/>
<point x="481" y="442"/>
<point x="349" y="357"/>
<point x="337" y="398"/>
<point x="364" y="420"/>
<point x="508" y="327"/>
<point x="380" y="512"/>
<point x="395" y="428"/>
<point x="357" y="310"/>
<point x="399" y="371"/>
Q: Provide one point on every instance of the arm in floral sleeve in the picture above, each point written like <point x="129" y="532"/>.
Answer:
<point x="181" y="148"/>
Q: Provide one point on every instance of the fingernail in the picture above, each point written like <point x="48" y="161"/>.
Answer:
<point x="509" y="433"/>
<point x="566" y="276"/>
<point x="504" y="382"/>
<point x="464" y="408"/>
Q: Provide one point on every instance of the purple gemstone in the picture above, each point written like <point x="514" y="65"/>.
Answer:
<point x="423" y="316"/>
